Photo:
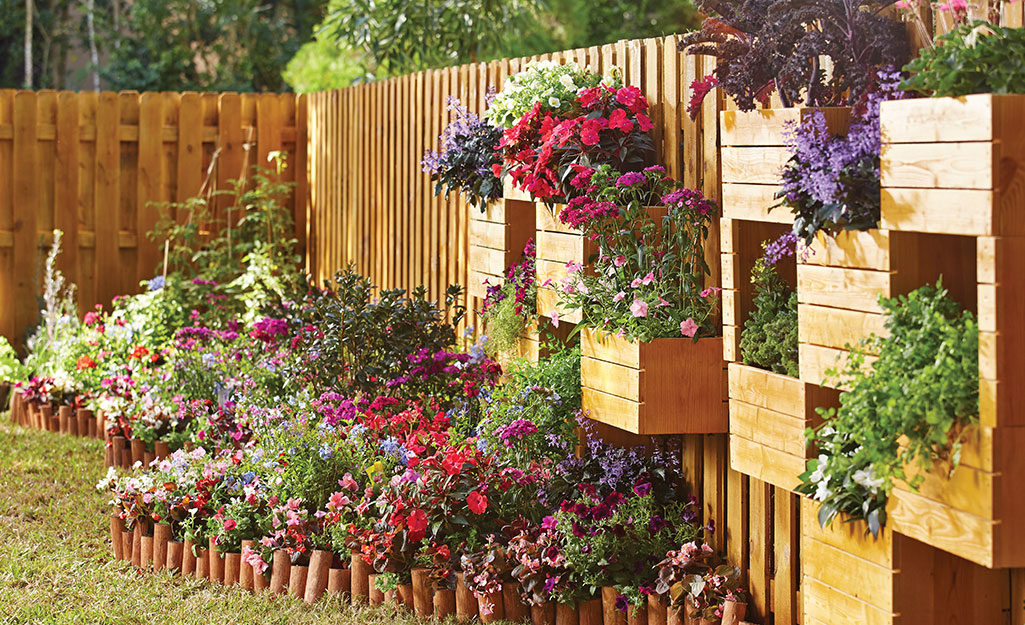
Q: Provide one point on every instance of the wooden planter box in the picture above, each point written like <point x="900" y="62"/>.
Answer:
<point x="497" y="239"/>
<point x="557" y="246"/>
<point x="753" y="155"/>
<point x="666" y="386"/>
<point x="769" y="414"/>
<point x="954" y="165"/>
<point x="838" y="287"/>
<point x="851" y="578"/>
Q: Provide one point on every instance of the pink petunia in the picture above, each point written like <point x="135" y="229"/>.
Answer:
<point x="688" y="328"/>
<point x="619" y="297"/>
<point x="648" y="278"/>
<point x="619" y="261"/>
<point x="639" y="308"/>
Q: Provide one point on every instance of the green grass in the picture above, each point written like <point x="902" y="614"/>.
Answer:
<point x="56" y="565"/>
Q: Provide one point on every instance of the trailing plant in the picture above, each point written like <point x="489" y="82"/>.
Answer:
<point x="831" y="182"/>
<point x="902" y="413"/>
<point x="606" y="125"/>
<point x="767" y="46"/>
<point x="649" y="276"/>
<point x="769" y="337"/>
<point x="977" y="57"/>
<point x="552" y="86"/>
<point x="509" y="308"/>
<point x="467" y="160"/>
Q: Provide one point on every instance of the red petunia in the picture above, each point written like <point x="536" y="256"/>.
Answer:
<point x="619" y="121"/>
<point x="478" y="502"/>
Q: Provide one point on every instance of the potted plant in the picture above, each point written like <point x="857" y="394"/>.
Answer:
<point x="648" y="316"/>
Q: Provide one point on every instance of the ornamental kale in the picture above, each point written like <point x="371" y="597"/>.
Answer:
<point x="831" y="182"/>
<point x="769" y="337"/>
<point x="467" y="159"/>
<point x="762" y="46"/>
<point x="909" y="409"/>
<point x="975" y="58"/>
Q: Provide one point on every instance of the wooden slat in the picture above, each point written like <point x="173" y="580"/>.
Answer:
<point x="106" y="198"/>
<point x="26" y="207"/>
<point x="65" y="198"/>
<point x="149" y="183"/>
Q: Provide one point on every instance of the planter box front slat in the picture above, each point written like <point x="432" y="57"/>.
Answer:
<point x="751" y="202"/>
<point x="761" y="165"/>
<point x="557" y="246"/>
<point x="834" y="327"/>
<point x="497" y="237"/>
<point x="666" y="386"/>
<point x="840" y="287"/>
<point x="950" y="211"/>
<point x="769" y="414"/>
<point x="938" y="165"/>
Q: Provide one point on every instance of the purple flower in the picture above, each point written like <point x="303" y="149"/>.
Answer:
<point x="621" y="603"/>
<point x="642" y="489"/>
<point x="630" y="178"/>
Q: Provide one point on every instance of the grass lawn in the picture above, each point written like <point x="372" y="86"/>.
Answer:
<point x="56" y="565"/>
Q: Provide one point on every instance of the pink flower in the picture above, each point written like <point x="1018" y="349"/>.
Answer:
<point x="555" y="318"/>
<point x="618" y="121"/>
<point x="688" y="328"/>
<point x="648" y="278"/>
<point x="348" y="483"/>
<point x="636" y="283"/>
<point x="230" y="524"/>
<point x="619" y="297"/>
<point x="619" y="261"/>
<point x="337" y="501"/>
<point x="573" y="267"/>
<point x="710" y="290"/>
<point x="639" y="308"/>
<point x="662" y="302"/>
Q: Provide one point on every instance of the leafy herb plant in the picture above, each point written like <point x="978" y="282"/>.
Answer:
<point x="974" y="58"/>
<point x="905" y="411"/>
<point x="769" y="337"/>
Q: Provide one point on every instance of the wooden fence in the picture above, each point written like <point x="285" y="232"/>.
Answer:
<point x="91" y="164"/>
<point x="374" y="207"/>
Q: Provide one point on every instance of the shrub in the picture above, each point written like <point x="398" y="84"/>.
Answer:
<point x="769" y="337"/>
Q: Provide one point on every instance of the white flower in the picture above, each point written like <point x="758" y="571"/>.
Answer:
<point x="567" y="81"/>
<point x="820" y="469"/>
<point x="867" y="479"/>
<point x="822" y="492"/>
<point x="554" y="102"/>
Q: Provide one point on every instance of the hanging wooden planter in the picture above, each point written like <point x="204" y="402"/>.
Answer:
<point x="497" y="238"/>
<point x="753" y="154"/>
<point x="769" y="414"/>
<point x="953" y="165"/>
<point x="851" y="577"/>
<point x="557" y="246"/>
<point x="666" y="386"/>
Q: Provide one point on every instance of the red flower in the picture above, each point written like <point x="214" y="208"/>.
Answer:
<point x="417" y="523"/>
<point x="589" y="130"/>
<point x="85" y="362"/>
<point x="229" y="525"/>
<point x="496" y="169"/>
<point x="618" y="121"/>
<point x="632" y="98"/>
<point x="478" y="502"/>
<point x="139" y="352"/>
<point x="453" y="463"/>
<point x="588" y="97"/>
<point x="644" y="122"/>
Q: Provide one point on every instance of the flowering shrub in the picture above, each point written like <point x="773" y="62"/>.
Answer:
<point x="509" y="307"/>
<point x="553" y="86"/>
<point x="911" y="406"/>
<point x="648" y="279"/>
<point x="831" y="183"/>
<point x="607" y="125"/>
<point x="765" y="46"/>
<point x="467" y="158"/>
<point x="769" y="337"/>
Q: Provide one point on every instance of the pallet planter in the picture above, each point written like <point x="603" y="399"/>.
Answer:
<point x="952" y="171"/>
<point x="666" y="386"/>
<point x="497" y="238"/>
<point x="557" y="246"/>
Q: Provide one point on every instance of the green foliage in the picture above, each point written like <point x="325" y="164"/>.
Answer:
<point x="910" y="408"/>
<point x="546" y="393"/>
<point x="355" y="352"/>
<point x="252" y="259"/>
<point x="185" y="45"/>
<point x="769" y="337"/>
<point x="975" y="58"/>
<point x="320" y="65"/>
<point x="401" y="36"/>
<point x="11" y="369"/>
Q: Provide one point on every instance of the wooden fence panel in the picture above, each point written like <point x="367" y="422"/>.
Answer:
<point x="93" y="165"/>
